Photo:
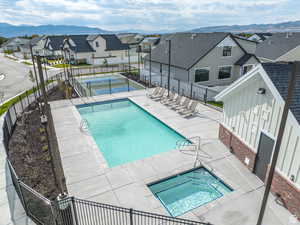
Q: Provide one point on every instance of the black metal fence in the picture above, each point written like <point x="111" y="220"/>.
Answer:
<point x="191" y="90"/>
<point x="70" y="211"/>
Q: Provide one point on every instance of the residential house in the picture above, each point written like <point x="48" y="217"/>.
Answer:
<point x="96" y="49"/>
<point x="260" y="37"/>
<point x="253" y="107"/>
<point x="25" y="49"/>
<point x="210" y="59"/>
<point x="279" y="47"/>
<point x="53" y="46"/>
<point x="14" y="44"/>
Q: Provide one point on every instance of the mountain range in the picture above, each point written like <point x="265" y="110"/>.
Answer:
<point x="9" y="30"/>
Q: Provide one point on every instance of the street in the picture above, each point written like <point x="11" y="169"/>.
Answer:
<point x="16" y="78"/>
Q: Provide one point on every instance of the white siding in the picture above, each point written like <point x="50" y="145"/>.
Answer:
<point x="247" y="114"/>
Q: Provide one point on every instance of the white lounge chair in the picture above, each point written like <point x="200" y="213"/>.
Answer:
<point x="160" y="95"/>
<point x="175" y="103"/>
<point x="192" y="109"/>
<point x="183" y="105"/>
<point x="166" y="99"/>
<point x="154" y="92"/>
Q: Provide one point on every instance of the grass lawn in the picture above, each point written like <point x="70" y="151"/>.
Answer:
<point x="27" y="63"/>
<point x="217" y="104"/>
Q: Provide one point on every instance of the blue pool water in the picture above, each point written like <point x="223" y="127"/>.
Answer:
<point x="124" y="132"/>
<point x="186" y="191"/>
<point x="108" y="84"/>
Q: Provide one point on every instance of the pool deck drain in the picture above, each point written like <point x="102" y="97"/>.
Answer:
<point x="89" y="177"/>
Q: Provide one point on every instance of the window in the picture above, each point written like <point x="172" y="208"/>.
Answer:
<point x="201" y="75"/>
<point x="227" y="50"/>
<point x="224" y="72"/>
<point x="97" y="44"/>
<point x="246" y="69"/>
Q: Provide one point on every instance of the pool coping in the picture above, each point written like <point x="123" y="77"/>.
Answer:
<point x="118" y="190"/>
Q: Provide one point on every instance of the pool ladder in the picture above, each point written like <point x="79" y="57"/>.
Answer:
<point x="84" y="126"/>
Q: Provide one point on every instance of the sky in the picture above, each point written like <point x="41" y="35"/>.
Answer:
<point x="148" y="15"/>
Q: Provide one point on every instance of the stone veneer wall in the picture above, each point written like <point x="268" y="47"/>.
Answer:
<point x="289" y="194"/>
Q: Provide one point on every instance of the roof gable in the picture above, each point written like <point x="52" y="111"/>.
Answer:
<point x="113" y="42"/>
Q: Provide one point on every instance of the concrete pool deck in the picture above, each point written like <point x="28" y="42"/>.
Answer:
<point x="89" y="177"/>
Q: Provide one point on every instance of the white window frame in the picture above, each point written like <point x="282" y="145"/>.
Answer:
<point x="230" y="51"/>
<point x="230" y="72"/>
<point x="201" y="68"/>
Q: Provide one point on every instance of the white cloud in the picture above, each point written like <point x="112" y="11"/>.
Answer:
<point x="141" y="14"/>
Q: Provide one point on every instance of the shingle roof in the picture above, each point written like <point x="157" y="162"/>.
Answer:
<point x="280" y="74"/>
<point x="81" y="43"/>
<point x="186" y="48"/>
<point x="263" y="35"/>
<point x="277" y="45"/>
<point x="56" y="42"/>
<point x="114" y="43"/>
<point x="241" y="61"/>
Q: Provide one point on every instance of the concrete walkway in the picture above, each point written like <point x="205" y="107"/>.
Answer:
<point x="89" y="177"/>
<point x="11" y="209"/>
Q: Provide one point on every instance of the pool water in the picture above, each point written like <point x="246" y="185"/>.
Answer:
<point x="108" y="84"/>
<point x="124" y="132"/>
<point x="184" y="192"/>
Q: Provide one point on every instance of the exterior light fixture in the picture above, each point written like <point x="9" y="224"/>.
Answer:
<point x="44" y="119"/>
<point x="261" y="91"/>
<point x="292" y="178"/>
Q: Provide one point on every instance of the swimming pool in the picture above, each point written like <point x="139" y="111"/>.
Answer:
<point x="124" y="132"/>
<point x="184" y="192"/>
<point x="107" y="84"/>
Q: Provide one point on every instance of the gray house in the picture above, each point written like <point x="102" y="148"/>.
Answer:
<point x="280" y="47"/>
<point x="211" y="59"/>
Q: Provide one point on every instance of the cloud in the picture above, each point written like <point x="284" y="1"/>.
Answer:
<point x="149" y="14"/>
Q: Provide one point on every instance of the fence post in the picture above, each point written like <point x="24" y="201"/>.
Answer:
<point x="191" y="95"/>
<point x="205" y="96"/>
<point x="131" y="216"/>
<point x="27" y="97"/>
<point x="74" y="210"/>
<point x="20" y="99"/>
<point x="22" y="196"/>
<point x="90" y="89"/>
<point x="128" y="85"/>
<point x="109" y="82"/>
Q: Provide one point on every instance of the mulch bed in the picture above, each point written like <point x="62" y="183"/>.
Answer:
<point x="28" y="154"/>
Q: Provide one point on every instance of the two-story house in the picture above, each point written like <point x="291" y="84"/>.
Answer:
<point x="95" y="49"/>
<point x="211" y="59"/>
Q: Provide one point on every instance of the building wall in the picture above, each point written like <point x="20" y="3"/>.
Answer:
<point x="247" y="114"/>
<point x="214" y="59"/>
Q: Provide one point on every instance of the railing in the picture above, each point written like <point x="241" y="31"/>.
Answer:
<point x="192" y="90"/>
<point x="71" y="211"/>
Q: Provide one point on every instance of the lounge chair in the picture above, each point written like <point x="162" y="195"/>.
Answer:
<point x="183" y="105"/>
<point x="154" y="92"/>
<point x="176" y="102"/>
<point x="160" y="95"/>
<point x="166" y="99"/>
<point x="190" y="111"/>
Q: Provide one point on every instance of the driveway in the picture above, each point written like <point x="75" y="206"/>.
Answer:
<point x="16" y="78"/>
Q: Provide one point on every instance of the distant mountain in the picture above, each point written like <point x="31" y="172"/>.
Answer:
<point x="278" y="27"/>
<point x="8" y="30"/>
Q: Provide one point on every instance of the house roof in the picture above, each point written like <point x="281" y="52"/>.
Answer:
<point x="129" y="39"/>
<point x="263" y="35"/>
<point x="55" y="41"/>
<point x="186" y="48"/>
<point x="81" y="43"/>
<point x="280" y="75"/>
<point x="277" y="45"/>
<point x="21" y="41"/>
<point x="114" y="43"/>
<point x="241" y="61"/>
